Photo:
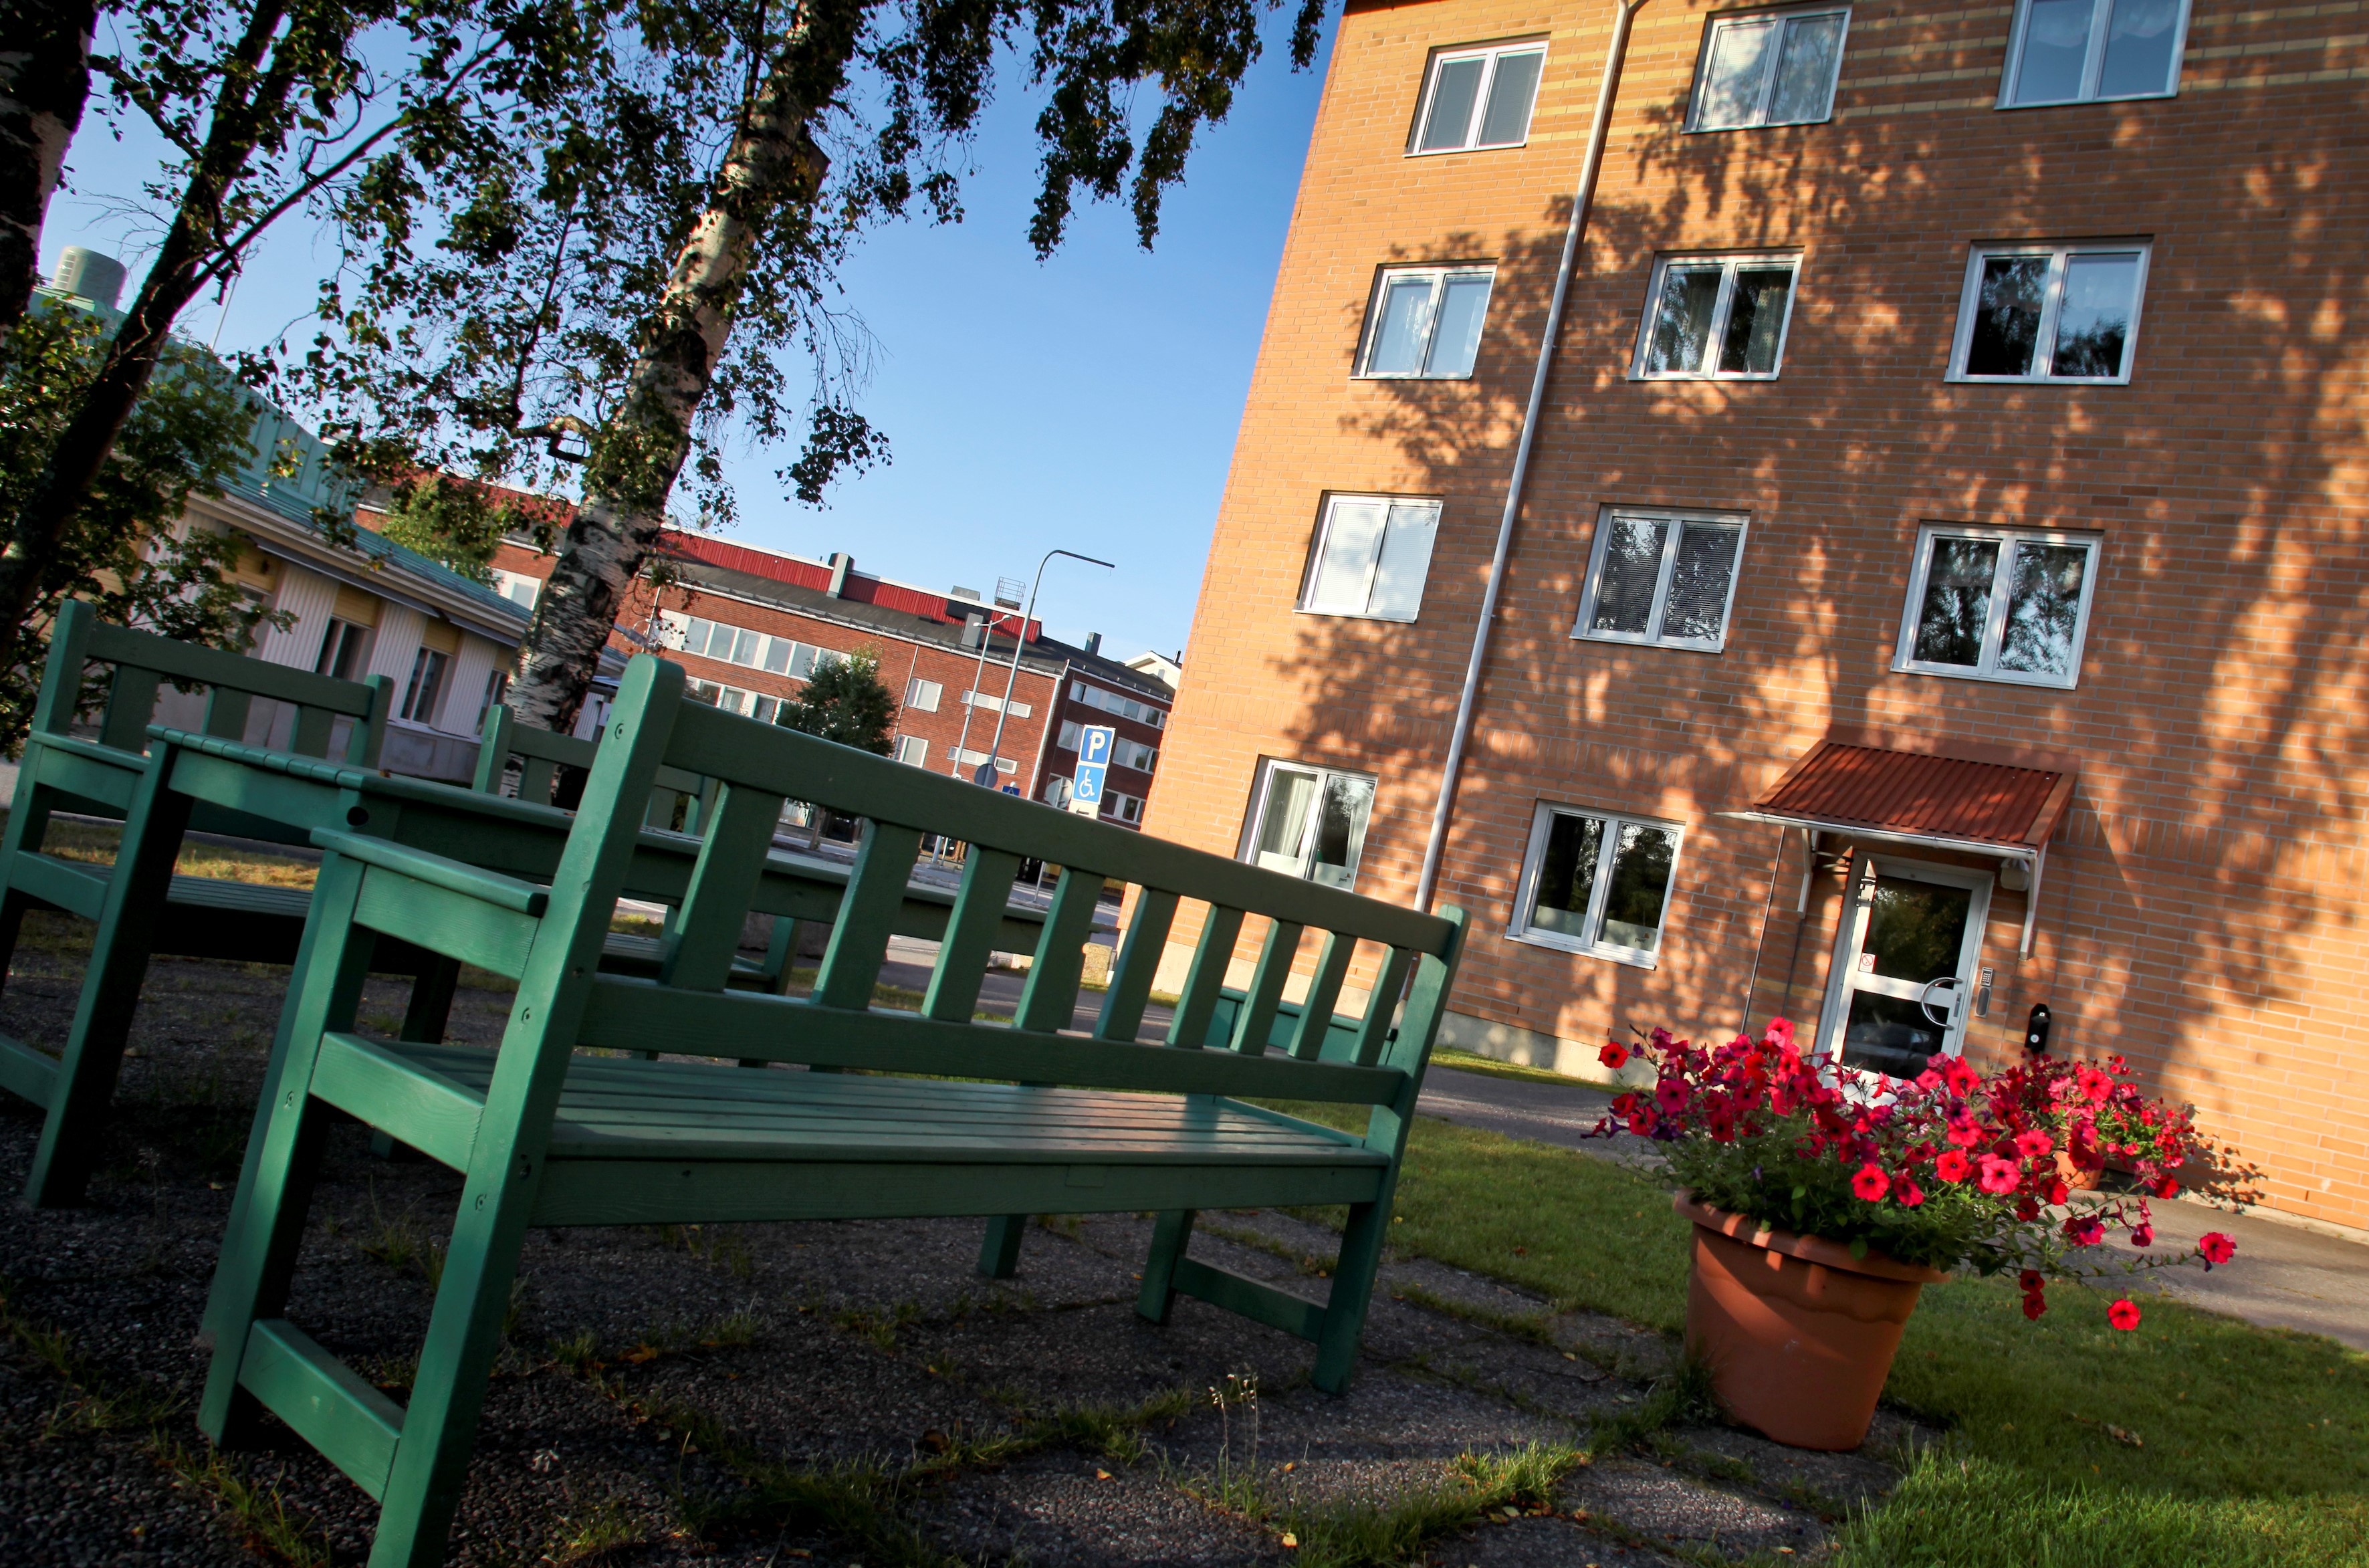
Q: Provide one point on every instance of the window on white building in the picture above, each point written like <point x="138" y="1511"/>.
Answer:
<point x="1477" y="97"/>
<point x="497" y="682"/>
<point x="1424" y="323"/>
<point x="921" y="695"/>
<point x="1596" y="883"/>
<point x="1371" y="557"/>
<point x="1769" y="68"/>
<point x="1663" y="578"/>
<point x="2050" y="313"/>
<point x="421" y="695"/>
<point x="912" y="749"/>
<point x="2080" y="50"/>
<point x="1716" y="316"/>
<point x="1998" y="604"/>
<point x="1113" y="702"/>
<point x="1309" y="821"/>
<point x="345" y="650"/>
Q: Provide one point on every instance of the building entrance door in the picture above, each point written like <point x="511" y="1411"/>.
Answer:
<point x="1905" y="966"/>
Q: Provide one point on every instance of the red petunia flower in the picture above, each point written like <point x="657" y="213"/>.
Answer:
<point x="2033" y="1145"/>
<point x="2034" y="1303"/>
<point x="1909" y="1194"/>
<point x="2124" y="1314"/>
<point x="1614" y="1054"/>
<point x="1954" y="1165"/>
<point x="2058" y="1191"/>
<point x="1999" y="1176"/>
<point x="1670" y="1093"/>
<point x="2167" y="1188"/>
<point x="1962" y="1078"/>
<point x="1641" y="1121"/>
<point x="2085" y="1231"/>
<point x="2216" y="1247"/>
<point x="2030" y="1279"/>
<point x="1869" y="1183"/>
<point x="1778" y="1033"/>
<point x="2142" y="1236"/>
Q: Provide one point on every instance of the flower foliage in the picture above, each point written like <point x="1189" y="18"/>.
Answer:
<point x="1950" y="1169"/>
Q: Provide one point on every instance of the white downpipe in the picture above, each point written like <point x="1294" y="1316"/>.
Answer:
<point x="1461" y="730"/>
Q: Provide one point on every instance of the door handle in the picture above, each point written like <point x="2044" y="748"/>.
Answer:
<point x="1925" y="1001"/>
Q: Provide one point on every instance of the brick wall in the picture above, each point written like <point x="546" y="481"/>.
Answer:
<point x="2200" y="910"/>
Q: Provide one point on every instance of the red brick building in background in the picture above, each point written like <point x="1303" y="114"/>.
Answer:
<point x="1941" y="576"/>
<point x="750" y="626"/>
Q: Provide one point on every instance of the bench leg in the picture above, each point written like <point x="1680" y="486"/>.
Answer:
<point x="72" y="1136"/>
<point x="28" y="820"/>
<point x="1169" y="1238"/>
<point x="431" y="1002"/>
<point x="999" y="1256"/>
<point x="1352" y="1290"/>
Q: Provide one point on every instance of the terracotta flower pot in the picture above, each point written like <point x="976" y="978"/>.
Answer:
<point x="2079" y="1178"/>
<point x="1798" y="1334"/>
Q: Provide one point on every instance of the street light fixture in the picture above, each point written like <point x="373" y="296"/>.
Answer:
<point x="986" y="770"/>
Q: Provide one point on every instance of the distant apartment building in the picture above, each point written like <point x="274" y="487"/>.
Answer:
<point x="1937" y="582"/>
<point x="750" y="627"/>
<point x="360" y="605"/>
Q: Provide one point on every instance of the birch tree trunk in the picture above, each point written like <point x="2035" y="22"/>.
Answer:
<point x="253" y="104"/>
<point x="772" y="164"/>
<point x="44" y="81"/>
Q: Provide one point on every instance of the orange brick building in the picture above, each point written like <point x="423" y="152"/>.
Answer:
<point x="1938" y="577"/>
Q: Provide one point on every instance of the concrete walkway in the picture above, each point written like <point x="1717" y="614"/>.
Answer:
<point x="2285" y="1276"/>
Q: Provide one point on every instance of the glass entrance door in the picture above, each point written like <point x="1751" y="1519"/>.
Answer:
<point x="1904" y="970"/>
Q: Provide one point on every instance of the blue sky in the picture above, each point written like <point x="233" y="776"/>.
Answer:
<point x="1087" y="403"/>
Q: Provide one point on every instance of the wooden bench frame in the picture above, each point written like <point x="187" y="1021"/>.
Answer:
<point x="546" y="1136"/>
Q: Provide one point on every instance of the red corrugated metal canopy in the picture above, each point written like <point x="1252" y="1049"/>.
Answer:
<point x="1842" y="785"/>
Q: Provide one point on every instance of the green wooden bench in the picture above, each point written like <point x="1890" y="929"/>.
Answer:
<point x="565" y="1124"/>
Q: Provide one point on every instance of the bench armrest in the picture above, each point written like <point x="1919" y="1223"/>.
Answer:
<point x="503" y="892"/>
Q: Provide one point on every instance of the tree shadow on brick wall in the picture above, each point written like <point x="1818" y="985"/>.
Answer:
<point x="2230" y="544"/>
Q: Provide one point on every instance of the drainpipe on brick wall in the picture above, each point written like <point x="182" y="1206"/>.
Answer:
<point x="1461" y="730"/>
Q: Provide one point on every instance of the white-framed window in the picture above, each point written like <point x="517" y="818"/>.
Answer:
<point x="994" y="703"/>
<point x="345" y="649"/>
<point x="912" y="749"/>
<point x="1126" y="807"/>
<point x="922" y="695"/>
<point x="1720" y="316"/>
<point x="1071" y="733"/>
<point x="518" y="588"/>
<point x="1424" y="323"/>
<point x="2082" y="51"/>
<point x="498" y="683"/>
<point x="738" y="644"/>
<point x="1596" y="882"/>
<point x="1769" y="68"/>
<point x="1113" y="702"/>
<point x="1662" y="576"/>
<point x="2050" y="312"/>
<point x="1308" y="821"/>
<point x="970" y="758"/>
<point x="1133" y="754"/>
<point x="422" y="694"/>
<point x="1371" y="557"/>
<point x="1477" y="97"/>
<point x="765" y="709"/>
<point x="2000" y="604"/>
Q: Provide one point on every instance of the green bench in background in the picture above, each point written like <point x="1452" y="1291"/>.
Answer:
<point x="566" y="1124"/>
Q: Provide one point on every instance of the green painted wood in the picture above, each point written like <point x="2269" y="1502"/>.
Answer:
<point x="494" y="753"/>
<point x="312" y="731"/>
<point x="701" y="939"/>
<point x="125" y="647"/>
<point x="961" y="968"/>
<point x="348" y="1422"/>
<point x="998" y="1254"/>
<point x="1381" y="1007"/>
<point x="859" y="941"/>
<point x="78" y="767"/>
<point x="1205" y="978"/>
<point x="368" y="737"/>
<point x="131" y="704"/>
<point x="1315" y="1020"/>
<point x="438" y="918"/>
<point x="436" y="871"/>
<point x="1049" y="998"/>
<point x="27" y="1073"/>
<point x="1171" y="1235"/>
<point x="634" y="1015"/>
<point x="226" y="712"/>
<point x="1255" y="1021"/>
<point x="62" y="674"/>
<point x="69" y="886"/>
<point x="1138" y="965"/>
<point x="400" y="1096"/>
<point x="1260" y="1304"/>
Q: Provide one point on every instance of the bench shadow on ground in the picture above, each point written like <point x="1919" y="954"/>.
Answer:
<point x="787" y="1394"/>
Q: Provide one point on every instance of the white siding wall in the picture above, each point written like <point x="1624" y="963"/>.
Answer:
<point x="476" y="660"/>
<point x="397" y="645"/>
<point x="312" y="599"/>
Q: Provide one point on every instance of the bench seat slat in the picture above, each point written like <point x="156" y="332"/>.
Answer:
<point x="26" y="1072"/>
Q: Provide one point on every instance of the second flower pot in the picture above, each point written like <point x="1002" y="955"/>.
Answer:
<point x="1799" y="1334"/>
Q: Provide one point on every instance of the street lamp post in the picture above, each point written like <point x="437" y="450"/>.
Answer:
<point x="986" y="770"/>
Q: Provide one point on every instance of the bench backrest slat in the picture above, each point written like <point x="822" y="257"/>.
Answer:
<point x="858" y="939"/>
<point x="1205" y="980"/>
<point x="1049" y="998"/>
<point x="1323" y="991"/>
<point x="1139" y="964"/>
<point x="1380" y="1009"/>
<point x="1265" y="992"/>
<point x="706" y="931"/>
<point x="954" y="979"/>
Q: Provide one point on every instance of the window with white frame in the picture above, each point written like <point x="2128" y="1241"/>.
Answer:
<point x="345" y="649"/>
<point x="1769" y="68"/>
<point x="1720" y="316"/>
<point x="2082" y="51"/>
<point x="2000" y="603"/>
<point x="922" y="695"/>
<point x="1125" y="807"/>
<point x="1596" y="882"/>
<point x="2050" y="312"/>
<point x="1071" y="733"/>
<point x="516" y="586"/>
<point x="425" y="689"/>
<point x="1477" y="97"/>
<point x="1424" y="323"/>
<point x="1371" y="555"/>
<point x="912" y="749"/>
<point x="994" y="703"/>
<point x="970" y="758"/>
<point x="497" y="683"/>
<point x="1134" y="754"/>
<point x="1308" y="821"/>
<point x="738" y="644"/>
<point x="733" y="699"/>
<point x="1112" y="703"/>
<point x="1659" y="577"/>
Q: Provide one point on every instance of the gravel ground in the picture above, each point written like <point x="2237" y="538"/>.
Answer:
<point x="777" y="1395"/>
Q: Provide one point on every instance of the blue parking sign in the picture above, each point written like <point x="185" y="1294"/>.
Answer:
<point x="1095" y="746"/>
<point x="1086" y="786"/>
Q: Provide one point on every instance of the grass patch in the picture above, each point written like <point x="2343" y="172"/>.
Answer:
<point x="598" y="1532"/>
<point x="95" y="845"/>
<point x="259" y="1516"/>
<point x="1469" y="1061"/>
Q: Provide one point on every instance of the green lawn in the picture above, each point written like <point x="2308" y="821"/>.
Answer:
<point x="2252" y="1444"/>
